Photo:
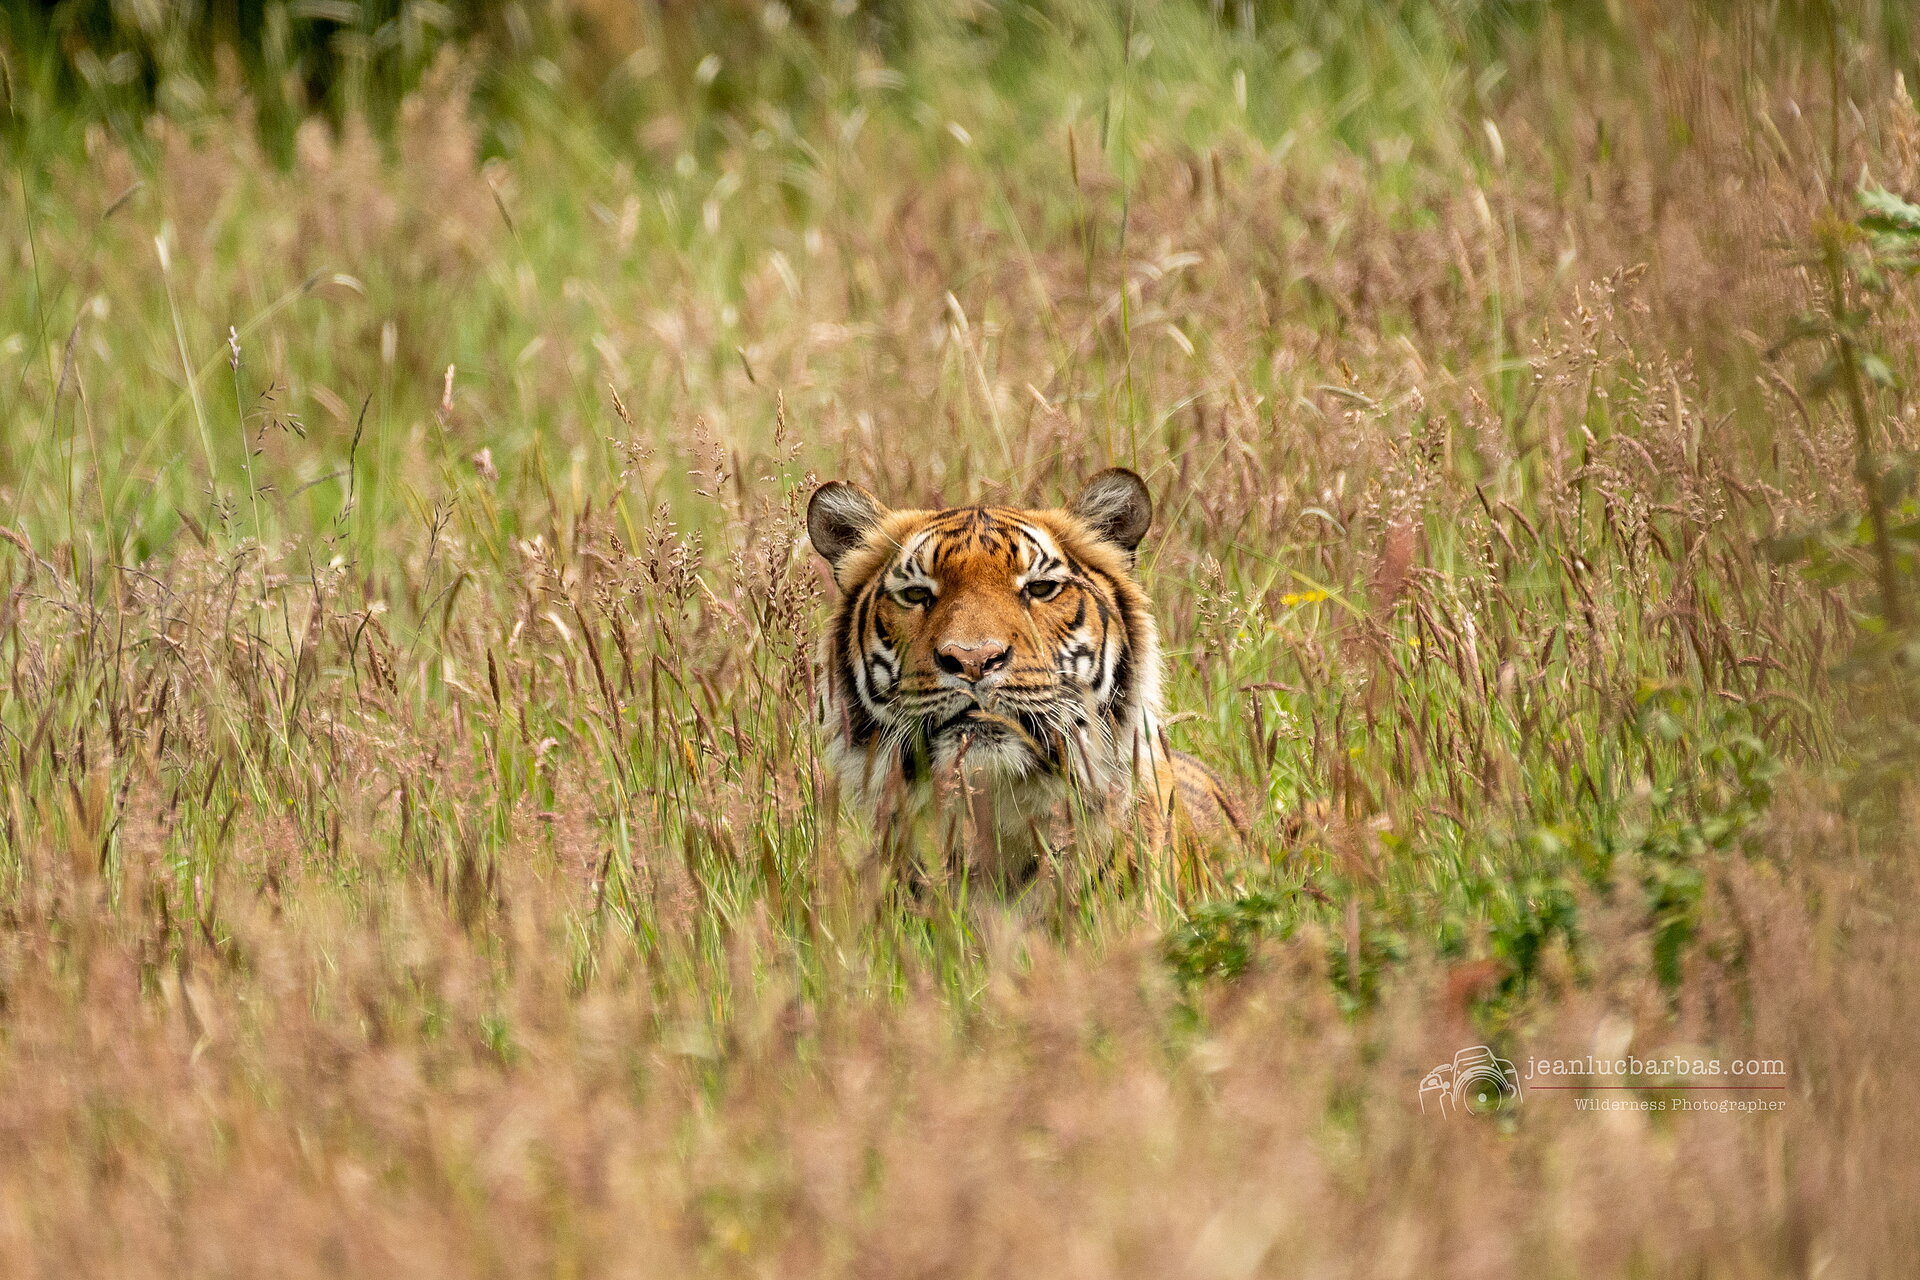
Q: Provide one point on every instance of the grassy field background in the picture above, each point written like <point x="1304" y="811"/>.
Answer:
<point x="416" y="858"/>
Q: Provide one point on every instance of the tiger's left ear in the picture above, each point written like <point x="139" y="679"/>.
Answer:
<point x="839" y="518"/>
<point x="1116" y="505"/>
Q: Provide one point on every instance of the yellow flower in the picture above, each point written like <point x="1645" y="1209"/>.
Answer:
<point x="1295" y="598"/>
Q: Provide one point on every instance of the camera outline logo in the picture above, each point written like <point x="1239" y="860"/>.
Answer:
<point x="1477" y="1081"/>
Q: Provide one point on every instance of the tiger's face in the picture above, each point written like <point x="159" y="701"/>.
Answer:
<point x="1014" y="640"/>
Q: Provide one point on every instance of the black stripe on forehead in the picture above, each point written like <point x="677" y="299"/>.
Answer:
<point x="932" y="542"/>
<point x="970" y="529"/>
<point x="993" y="531"/>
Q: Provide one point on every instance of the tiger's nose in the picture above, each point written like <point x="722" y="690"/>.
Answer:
<point x="971" y="661"/>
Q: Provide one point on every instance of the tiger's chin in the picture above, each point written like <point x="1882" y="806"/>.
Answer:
<point x="985" y="746"/>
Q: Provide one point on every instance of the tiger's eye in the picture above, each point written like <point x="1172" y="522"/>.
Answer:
<point x="916" y="597"/>
<point x="1043" y="589"/>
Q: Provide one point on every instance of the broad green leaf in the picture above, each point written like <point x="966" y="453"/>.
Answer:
<point x="1888" y="213"/>
<point x="1876" y="369"/>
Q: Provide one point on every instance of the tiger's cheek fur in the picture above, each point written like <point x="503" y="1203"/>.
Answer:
<point x="1080" y="640"/>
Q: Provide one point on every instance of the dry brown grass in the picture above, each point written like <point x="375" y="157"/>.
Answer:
<point x="320" y="1094"/>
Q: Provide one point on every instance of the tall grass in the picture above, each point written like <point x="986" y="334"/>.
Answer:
<point x="416" y="856"/>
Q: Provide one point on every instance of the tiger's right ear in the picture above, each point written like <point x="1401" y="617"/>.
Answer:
<point x="839" y="518"/>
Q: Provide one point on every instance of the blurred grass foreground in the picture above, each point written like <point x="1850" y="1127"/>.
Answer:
<point x="414" y="854"/>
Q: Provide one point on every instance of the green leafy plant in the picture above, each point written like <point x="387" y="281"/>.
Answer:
<point x="1219" y="939"/>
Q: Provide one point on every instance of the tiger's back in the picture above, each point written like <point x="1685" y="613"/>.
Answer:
<point x="1204" y="798"/>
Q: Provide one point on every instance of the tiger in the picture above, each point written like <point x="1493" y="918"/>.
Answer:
<point x="1009" y="657"/>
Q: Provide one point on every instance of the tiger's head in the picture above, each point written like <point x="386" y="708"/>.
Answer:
<point x="1015" y="640"/>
